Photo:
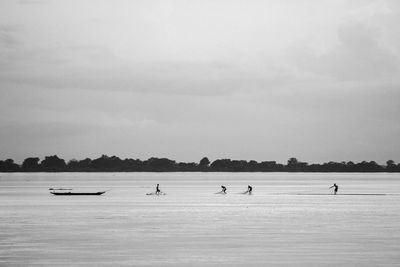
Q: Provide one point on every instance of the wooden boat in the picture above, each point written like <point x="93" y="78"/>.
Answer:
<point x="77" y="194"/>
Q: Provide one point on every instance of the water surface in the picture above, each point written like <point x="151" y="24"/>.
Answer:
<point x="290" y="220"/>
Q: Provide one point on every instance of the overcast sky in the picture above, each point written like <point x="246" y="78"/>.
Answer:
<point x="264" y="80"/>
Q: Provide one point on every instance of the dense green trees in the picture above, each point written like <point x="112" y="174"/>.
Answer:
<point x="204" y="162"/>
<point x="53" y="163"/>
<point x="8" y="165"/>
<point x="115" y="164"/>
<point x="30" y="164"/>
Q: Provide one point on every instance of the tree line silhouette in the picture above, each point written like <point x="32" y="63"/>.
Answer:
<point x="115" y="164"/>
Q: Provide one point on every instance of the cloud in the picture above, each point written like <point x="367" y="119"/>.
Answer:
<point x="97" y="68"/>
<point x="149" y="78"/>
<point x="8" y="35"/>
<point x="32" y="2"/>
<point x="359" y="55"/>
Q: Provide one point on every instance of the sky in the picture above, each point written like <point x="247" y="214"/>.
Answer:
<point x="242" y="79"/>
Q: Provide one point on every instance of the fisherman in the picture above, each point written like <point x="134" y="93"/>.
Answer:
<point x="249" y="189"/>
<point x="223" y="189"/>
<point x="336" y="187"/>
<point x="158" y="191"/>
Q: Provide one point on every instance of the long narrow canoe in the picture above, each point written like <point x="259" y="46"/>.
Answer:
<point x="77" y="194"/>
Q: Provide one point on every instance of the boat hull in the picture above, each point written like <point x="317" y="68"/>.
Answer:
<point x="76" y="194"/>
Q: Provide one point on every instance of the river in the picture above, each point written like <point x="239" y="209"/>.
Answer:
<point x="291" y="219"/>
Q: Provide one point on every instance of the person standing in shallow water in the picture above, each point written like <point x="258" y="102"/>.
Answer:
<point x="336" y="187"/>
<point x="158" y="189"/>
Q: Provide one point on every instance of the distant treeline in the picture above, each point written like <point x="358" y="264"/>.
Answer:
<point x="115" y="164"/>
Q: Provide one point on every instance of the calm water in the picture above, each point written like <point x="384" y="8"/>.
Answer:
<point x="290" y="220"/>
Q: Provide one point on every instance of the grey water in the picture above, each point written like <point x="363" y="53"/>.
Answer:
<point x="291" y="219"/>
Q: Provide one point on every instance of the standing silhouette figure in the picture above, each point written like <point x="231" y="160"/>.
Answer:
<point x="336" y="187"/>
<point x="158" y="191"/>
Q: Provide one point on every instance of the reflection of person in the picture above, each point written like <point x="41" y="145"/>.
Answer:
<point x="249" y="189"/>
<point x="223" y="189"/>
<point x="336" y="187"/>
<point x="158" y="189"/>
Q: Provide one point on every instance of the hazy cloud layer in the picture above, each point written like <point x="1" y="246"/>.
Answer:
<point x="359" y="55"/>
<point x="261" y="80"/>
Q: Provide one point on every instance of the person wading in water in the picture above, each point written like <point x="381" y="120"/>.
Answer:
<point x="223" y="189"/>
<point x="249" y="189"/>
<point x="158" y="191"/>
<point x="336" y="187"/>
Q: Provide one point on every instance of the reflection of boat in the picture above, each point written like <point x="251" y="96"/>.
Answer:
<point x="77" y="194"/>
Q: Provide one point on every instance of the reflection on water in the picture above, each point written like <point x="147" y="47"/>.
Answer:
<point x="290" y="219"/>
